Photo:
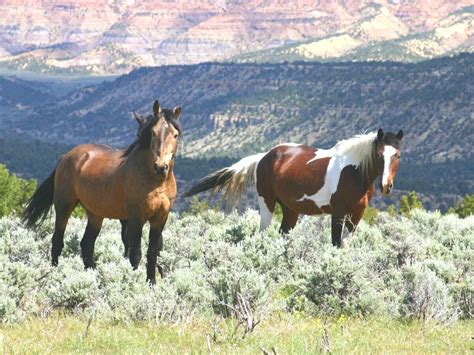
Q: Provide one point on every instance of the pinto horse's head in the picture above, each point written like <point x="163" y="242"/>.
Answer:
<point x="388" y="153"/>
<point x="160" y="135"/>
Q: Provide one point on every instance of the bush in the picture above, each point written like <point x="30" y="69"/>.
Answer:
<point x="221" y="266"/>
<point x="14" y="192"/>
<point x="426" y="296"/>
<point x="370" y="215"/>
<point x="409" y="203"/>
<point x="343" y="283"/>
<point x="464" y="208"/>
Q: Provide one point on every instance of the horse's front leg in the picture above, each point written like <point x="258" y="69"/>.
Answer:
<point x="123" y="222"/>
<point x="343" y="225"/>
<point x="155" y="246"/>
<point x="134" y="239"/>
<point x="351" y="221"/>
<point x="337" y="221"/>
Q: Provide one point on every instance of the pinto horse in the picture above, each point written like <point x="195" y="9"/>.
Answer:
<point x="135" y="185"/>
<point x="305" y="180"/>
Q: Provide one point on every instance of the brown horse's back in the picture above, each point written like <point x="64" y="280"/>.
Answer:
<point x="286" y="168"/>
<point x="96" y="181"/>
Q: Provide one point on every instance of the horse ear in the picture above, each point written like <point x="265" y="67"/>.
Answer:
<point x="177" y="112"/>
<point x="140" y="119"/>
<point x="380" y="134"/>
<point x="156" y="108"/>
<point x="400" y="134"/>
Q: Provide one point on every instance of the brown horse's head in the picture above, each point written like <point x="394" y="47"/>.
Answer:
<point x="160" y="135"/>
<point x="388" y="155"/>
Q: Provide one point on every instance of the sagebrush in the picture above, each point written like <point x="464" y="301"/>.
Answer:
<point x="220" y="265"/>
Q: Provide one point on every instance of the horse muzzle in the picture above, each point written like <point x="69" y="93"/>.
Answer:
<point x="386" y="189"/>
<point x="162" y="169"/>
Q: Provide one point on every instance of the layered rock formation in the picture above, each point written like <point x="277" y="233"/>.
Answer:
<point x="116" y="36"/>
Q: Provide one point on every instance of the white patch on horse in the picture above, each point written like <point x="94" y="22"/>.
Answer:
<point x="288" y="145"/>
<point x="347" y="152"/>
<point x="388" y="153"/>
<point x="321" y="153"/>
<point x="265" y="214"/>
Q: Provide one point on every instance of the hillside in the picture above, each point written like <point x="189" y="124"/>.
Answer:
<point x="230" y="110"/>
<point x="235" y="109"/>
<point x="17" y="97"/>
<point x="379" y="37"/>
<point x="84" y="36"/>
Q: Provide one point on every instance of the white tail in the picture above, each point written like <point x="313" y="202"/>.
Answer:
<point x="231" y="180"/>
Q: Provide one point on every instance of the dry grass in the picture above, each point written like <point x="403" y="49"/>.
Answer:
<point x="281" y="334"/>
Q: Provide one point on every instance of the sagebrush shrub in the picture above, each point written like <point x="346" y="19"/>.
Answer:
<point x="217" y="264"/>
<point x="426" y="296"/>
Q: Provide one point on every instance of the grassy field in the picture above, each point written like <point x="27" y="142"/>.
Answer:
<point x="285" y="334"/>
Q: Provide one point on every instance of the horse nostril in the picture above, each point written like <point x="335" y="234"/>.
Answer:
<point x="161" y="169"/>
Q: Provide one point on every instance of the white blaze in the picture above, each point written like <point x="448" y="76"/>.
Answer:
<point x="388" y="153"/>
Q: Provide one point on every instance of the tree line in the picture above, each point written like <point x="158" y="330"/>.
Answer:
<point x="15" y="192"/>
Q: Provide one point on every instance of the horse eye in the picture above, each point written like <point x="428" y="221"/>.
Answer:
<point x="176" y="135"/>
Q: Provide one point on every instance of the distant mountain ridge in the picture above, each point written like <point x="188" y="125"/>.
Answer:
<point x="106" y="37"/>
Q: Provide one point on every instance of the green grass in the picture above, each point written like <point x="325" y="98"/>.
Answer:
<point x="286" y="334"/>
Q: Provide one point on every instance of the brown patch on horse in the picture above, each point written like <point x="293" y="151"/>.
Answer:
<point x="291" y="177"/>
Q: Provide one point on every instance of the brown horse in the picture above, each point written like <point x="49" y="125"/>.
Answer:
<point x="306" y="180"/>
<point x="135" y="185"/>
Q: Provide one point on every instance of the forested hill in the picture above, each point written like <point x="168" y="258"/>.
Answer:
<point x="234" y="109"/>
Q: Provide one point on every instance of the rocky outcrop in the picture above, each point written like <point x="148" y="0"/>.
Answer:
<point x="116" y="36"/>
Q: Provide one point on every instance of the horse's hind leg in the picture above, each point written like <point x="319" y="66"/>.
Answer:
<point x="63" y="212"/>
<point x="134" y="238"/>
<point x="94" y="224"/>
<point x="266" y="207"/>
<point x="289" y="219"/>
<point x="124" y="237"/>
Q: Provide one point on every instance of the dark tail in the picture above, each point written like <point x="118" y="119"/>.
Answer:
<point x="231" y="179"/>
<point x="40" y="203"/>
<point x="215" y="181"/>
